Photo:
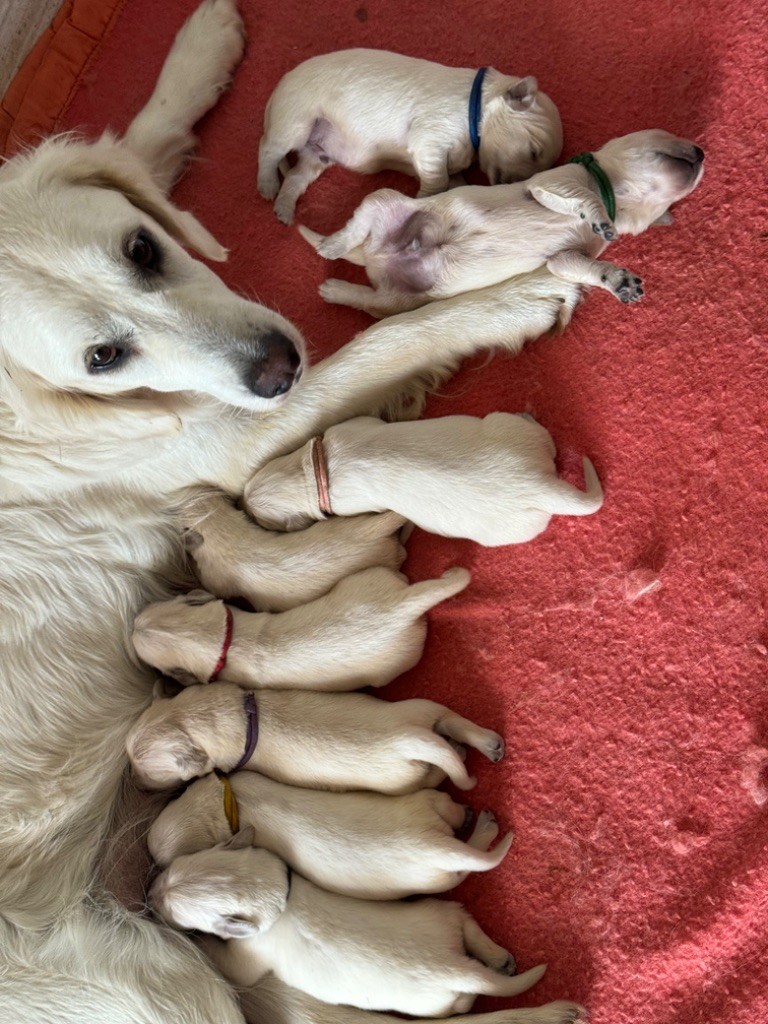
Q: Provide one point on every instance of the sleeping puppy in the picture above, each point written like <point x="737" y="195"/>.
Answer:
<point x="426" y="957"/>
<point x="416" y="250"/>
<point x="359" y="844"/>
<point x="368" y="629"/>
<point x="318" y="740"/>
<point x="275" y="571"/>
<point x="491" y="480"/>
<point x="370" y="109"/>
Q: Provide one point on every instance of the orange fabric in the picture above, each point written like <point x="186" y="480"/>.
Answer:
<point x="45" y="83"/>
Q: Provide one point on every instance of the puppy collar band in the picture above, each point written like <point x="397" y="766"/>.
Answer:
<point x="222" y="662"/>
<point x="606" y="188"/>
<point x="251" y="709"/>
<point x="320" y="468"/>
<point x="231" y="809"/>
<point x="475" y="108"/>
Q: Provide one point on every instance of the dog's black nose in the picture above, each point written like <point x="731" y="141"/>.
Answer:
<point x="699" y="153"/>
<point x="275" y="366"/>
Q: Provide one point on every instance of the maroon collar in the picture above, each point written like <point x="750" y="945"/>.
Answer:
<point x="222" y="662"/>
<point x="320" y="468"/>
<point x="251" y="709"/>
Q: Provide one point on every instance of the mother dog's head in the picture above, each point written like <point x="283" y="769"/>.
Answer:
<point x="99" y="297"/>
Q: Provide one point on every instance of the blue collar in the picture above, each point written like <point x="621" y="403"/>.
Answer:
<point x="475" y="108"/>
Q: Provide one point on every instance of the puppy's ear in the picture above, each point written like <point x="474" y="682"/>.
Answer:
<point x="233" y="927"/>
<point x="182" y="677"/>
<point x="241" y="840"/>
<point x="664" y="220"/>
<point x="521" y="96"/>
<point x="192" y="539"/>
<point x="191" y="760"/>
<point x="198" y="597"/>
<point x="107" y="164"/>
<point x="160" y="690"/>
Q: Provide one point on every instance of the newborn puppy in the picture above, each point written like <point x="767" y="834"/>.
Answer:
<point x="275" y="571"/>
<point x="360" y="844"/>
<point x="491" y="480"/>
<point x="416" y="250"/>
<point x="428" y="957"/>
<point x="368" y="629"/>
<point x="318" y="740"/>
<point x="370" y="109"/>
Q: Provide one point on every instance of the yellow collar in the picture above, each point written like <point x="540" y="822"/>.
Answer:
<point x="230" y="805"/>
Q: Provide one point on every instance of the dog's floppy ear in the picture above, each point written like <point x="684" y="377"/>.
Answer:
<point x="231" y="926"/>
<point x="107" y="164"/>
<point x="522" y="95"/>
<point x="241" y="840"/>
<point x="190" y="759"/>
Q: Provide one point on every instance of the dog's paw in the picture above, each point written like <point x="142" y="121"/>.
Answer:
<point x="332" y="290"/>
<point x="605" y="229"/>
<point x="495" y="749"/>
<point x="625" y="286"/>
<point x="509" y="966"/>
<point x="285" y="207"/>
<point x="332" y="247"/>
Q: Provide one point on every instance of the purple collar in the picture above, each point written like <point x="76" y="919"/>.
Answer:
<point x="251" y="709"/>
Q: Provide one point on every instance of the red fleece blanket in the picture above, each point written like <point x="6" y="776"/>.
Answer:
<point x="624" y="656"/>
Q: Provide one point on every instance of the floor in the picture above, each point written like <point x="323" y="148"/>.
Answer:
<point x="21" y="22"/>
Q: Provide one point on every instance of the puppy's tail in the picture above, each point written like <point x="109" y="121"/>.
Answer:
<point x="433" y="749"/>
<point x="564" y="499"/>
<point x="313" y="237"/>
<point x="420" y="597"/>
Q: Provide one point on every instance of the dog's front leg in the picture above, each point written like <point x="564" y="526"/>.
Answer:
<point x="580" y="269"/>
<point x="197" y="70"/>
<point x="575" y="201"/>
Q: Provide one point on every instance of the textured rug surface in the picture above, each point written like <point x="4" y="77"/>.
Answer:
<point x="624" y="656"/>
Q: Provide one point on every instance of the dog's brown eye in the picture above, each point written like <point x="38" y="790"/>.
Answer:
<point x="143" y="251"/>
<point x="103" y="357"/>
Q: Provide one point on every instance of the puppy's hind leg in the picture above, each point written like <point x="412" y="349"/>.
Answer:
<point x="296" y="182"/>
<point x="197" y="70"/>
<point x="377" y="303"/>
<point x="484" y="949"/>
<point x="580" y="269"/>
<point x="463" y="731"/>
<point x="382" y="210"/>
<point x="420" y="597"/>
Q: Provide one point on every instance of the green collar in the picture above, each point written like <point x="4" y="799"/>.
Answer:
<point x="606" y="189"/>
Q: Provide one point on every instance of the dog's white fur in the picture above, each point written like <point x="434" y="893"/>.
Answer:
<point x="89" y="485"/>
<point x="367" y="630"/>
<point x="491" y="480"/>
<point x="416" y="250"/>
<point x="359" y="844"/>
<point x="272" y="1000"/>
<point x="428" y="957"/>
<point x="318" y="740"/>
<point x="371" y="109"/>
<point x="275" y="571"/>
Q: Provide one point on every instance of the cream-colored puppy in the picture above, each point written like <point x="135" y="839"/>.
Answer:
<point x="370" y="109"/>
<point x="491" y="480"/>
<point x="416" y="250"/>
<point x="275" y="571"/>
<point x="359" y="844"/>
<point x="319" y="740"/>
<point x="427" y="957"/>
<point x="368" y="629"/>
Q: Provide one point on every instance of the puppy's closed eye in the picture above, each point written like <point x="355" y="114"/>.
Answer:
<point x="143" y="250"/>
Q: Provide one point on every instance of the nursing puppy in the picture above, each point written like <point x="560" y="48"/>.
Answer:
<point x="319" y="740"/>
<point x="275" y="571"/>
<point x="416" y="250"/>
<point x="370" y="109"/>
<point x="367" y="630"/>
<point x="359" y="844"/>
<point x="491" y="480"/>
<point x="427" y="957"/>
<point x="274" y="1001"/>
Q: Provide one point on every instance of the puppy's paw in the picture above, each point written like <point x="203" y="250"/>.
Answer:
<point x="494" y="750"/>
<point x="625" y="286"/>
<point x="332" y="247"/>
<point x="285" y="208"/>
<point x="332" y="290"/>
<point x="268" y="186"/>
<point x="509" y="966"/>
<point x="605" y="229"/>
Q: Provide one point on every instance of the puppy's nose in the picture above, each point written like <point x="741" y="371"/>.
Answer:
<point x="699" y="154"/>
<point x="275" y="367"/>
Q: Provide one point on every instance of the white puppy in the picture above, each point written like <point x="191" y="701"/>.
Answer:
<point x="272" y="1000"/>
<point x="359" y="844"/>
<point x="416" y="250"/>
<point x="319" y="740"/>
<point x="492" y="480"/>
<point x="427" y="957"/>
<point x="367" y="630"/>
<point x="370" y="109"/>
<point x="275" y="571"/>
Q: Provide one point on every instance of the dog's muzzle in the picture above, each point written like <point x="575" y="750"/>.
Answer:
<point x="275" y="366"/>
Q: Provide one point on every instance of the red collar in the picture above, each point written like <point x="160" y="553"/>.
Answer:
<point x="221" y="663"/>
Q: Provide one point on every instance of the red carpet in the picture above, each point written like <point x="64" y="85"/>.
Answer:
<point x="637" y="723"/>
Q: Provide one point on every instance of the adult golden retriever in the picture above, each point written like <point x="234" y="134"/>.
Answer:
<point x="130" y="375"/>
